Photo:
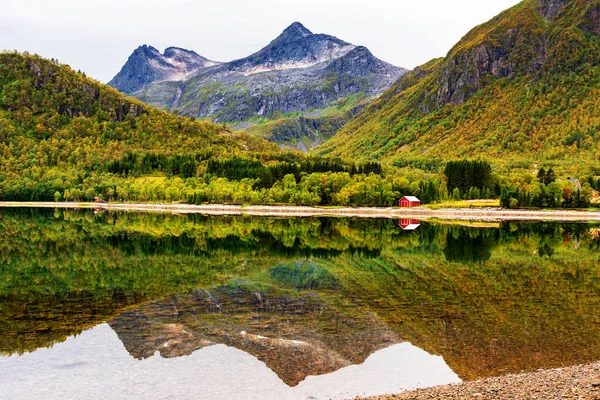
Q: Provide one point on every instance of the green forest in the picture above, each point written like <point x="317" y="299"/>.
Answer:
<point x="66" y="137"/>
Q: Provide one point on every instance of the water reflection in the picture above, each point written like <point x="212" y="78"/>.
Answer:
<point x="83" y="368"/>
<point x="408" y="224"/>
<point x="295" y="334"/>
<point x="306" y="297"/>
<point x="470" y="245"/>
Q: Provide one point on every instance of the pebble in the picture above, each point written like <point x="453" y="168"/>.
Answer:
<point x="577" y="382"/>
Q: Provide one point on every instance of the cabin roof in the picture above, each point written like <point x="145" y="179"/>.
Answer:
<point x="411" y="198"/>
<point x="410" y="227"/>
<point x="574" y="181"/>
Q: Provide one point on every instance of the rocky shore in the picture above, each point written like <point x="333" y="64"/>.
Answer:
<point x="577" y="382"/>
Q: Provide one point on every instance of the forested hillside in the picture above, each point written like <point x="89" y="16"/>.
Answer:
<point x="521" y="90"/>
<point x="58" y="129"/>
<point x="66" y="137"/>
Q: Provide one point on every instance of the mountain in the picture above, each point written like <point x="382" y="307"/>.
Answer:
<point x="520" y="90"/>
<point x="296" y="47"/>
<point x="297" y="73"/>
<point x="146" y="65"/>
<point x="303" y="132"/>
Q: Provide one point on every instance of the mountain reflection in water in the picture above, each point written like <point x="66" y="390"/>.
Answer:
<point x="94" y="365"/>
<point x="306" y="298"/>
<point x="295" y="335"/>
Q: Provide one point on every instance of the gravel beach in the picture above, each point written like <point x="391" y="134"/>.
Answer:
<point x="577" y="382"/>
<point x="487" y="214"/>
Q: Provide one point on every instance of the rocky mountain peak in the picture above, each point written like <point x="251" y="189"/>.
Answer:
<point x="146" y="49"/>
<point x="295" y="31"/>
<point x="361" y="52"/>
<point x="185" y="59"/>
<point x="361" y="62"/>
<point x="179" y="53"/>
<point x="147" y="65"/>
<point x="296" y="47"/>
<point x="145" y="52"/>
<point x="550" y="9"/>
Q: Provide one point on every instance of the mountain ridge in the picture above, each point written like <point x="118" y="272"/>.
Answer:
<point x="515" y="89"/>
<point x="296" y="45"/>
<point x="146" y="65"/>
<point x="298" y="72"/>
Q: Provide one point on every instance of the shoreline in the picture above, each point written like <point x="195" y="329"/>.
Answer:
<point x="575" y="382"/>
<point x="487" y="214"/>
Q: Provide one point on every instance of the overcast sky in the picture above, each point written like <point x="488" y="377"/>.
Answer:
<point x="97" y="37"/>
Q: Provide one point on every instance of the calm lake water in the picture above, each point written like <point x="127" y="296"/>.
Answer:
<point x="128" y="305"/>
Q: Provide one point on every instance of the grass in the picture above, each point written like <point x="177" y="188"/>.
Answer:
<point x="469" y="224"/>
<point x="464" y="204"/>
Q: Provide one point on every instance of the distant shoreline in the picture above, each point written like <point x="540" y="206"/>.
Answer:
<point x="421" y="213"/>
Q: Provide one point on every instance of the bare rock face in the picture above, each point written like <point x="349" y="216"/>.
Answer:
<point x="466" y="73"/>
<point x="592" y="20"/>
<point x="550" y="9"/>
<point x="146" y="65"/>
<point x="295" y="47"/>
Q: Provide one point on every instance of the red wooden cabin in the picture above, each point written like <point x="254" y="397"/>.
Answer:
<point x="409" y="201"/>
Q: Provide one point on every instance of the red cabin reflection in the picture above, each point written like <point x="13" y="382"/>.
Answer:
<point x="409" y="224"/>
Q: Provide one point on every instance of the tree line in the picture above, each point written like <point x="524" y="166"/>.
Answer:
<point x="237" y="168"/>
<point x="550" y="192"/>
<point x="184" y="165"/>
<point x="470" y="179"/>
